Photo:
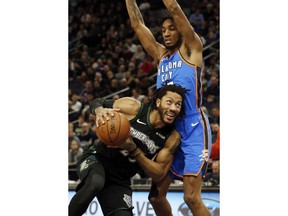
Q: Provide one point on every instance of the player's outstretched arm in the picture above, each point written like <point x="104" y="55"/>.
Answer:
<point x="147" y="39"/>
<point x="190" y="37"/>
<point x="157" y="169"/>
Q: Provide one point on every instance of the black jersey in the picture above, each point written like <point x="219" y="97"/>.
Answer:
<point x="119" y="165"/>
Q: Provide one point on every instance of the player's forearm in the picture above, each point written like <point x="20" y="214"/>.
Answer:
<point x="100" y="102"/>
<point x="171" y="5"/>
<point x="156" y="171"/>
<point x="134" y="13"/>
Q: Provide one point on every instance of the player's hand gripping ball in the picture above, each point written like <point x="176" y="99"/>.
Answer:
<point x="115" y="131"/>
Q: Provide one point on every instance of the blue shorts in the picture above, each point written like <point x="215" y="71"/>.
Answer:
<point x="196" y="139"/>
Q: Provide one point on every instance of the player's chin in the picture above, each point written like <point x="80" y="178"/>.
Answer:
<point x="169" y="120"/>
<point x="169" y="46"/>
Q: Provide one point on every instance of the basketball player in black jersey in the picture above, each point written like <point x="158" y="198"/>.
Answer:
<point x="105" y="172"/>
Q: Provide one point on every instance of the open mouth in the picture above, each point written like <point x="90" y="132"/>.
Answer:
<point x="170" y="116"/>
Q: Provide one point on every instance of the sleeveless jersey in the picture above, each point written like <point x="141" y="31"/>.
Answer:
<point x="192" y="156"/>
<point x="175" y="69"/>
<point x="119" y="165"/>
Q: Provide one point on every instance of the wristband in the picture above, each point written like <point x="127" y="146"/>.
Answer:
<point x="100" y="102"/>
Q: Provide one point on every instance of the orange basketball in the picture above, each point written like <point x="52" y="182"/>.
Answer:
<point x="115" y="131"/>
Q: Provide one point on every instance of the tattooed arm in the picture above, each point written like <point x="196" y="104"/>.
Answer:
<point x="147" y="39"/>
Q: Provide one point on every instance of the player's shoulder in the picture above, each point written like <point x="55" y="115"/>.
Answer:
<point x="128" y="101"/>
<point x="128" y="105"/>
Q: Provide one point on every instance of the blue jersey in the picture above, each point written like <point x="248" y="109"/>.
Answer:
<point x="192" y="156"/>
<point x="175" y="70"/>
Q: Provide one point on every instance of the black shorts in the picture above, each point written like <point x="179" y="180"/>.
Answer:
<point x="116" y="200"/>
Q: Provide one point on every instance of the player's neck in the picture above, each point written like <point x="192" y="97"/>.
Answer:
<point x="171" y="52"/>
<point x="155" y="120"/>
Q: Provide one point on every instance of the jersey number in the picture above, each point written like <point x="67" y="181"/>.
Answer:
<point x="125" y="153"/>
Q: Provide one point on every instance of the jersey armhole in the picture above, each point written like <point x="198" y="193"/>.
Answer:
<point x="138" y="114"/>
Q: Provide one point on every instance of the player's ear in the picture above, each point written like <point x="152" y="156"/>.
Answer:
<point x="158" y="101"/>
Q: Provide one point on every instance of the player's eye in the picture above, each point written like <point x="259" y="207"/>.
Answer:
<point x="178" y="105"/>
<point x="172" y="28"/>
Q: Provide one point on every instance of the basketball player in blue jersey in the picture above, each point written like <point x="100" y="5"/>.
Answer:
<point x="180" y="62"/>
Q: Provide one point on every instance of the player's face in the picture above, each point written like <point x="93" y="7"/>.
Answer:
<point x="169" y="107"/>
<point x="171" y="35"/>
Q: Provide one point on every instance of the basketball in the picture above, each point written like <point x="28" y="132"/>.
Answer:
<point x="115" y="131"/>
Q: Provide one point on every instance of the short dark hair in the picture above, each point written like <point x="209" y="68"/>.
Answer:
<point x="166" y="18"/>
<point x="160" y="92"/>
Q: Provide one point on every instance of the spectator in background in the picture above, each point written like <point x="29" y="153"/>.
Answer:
<point x="117" y="53"/>
<point x="212" y="92"/>
<point x="76" y="105"/>
<point x="98" y="77"/>
<point x="139" y="55"/>
<point x="71" y="134"/>
<point x="88" y="88"/>
<point x="132" y="68"/>
<point x="73" y="115"/>
<point x="120" y="71"/>
<point x="150" y="93"/>
<point x="215" y="117"/>
<point x="114" y="85"/>
<point x="212" y="178"/>
<point x="211" y="36"/>
<point x="197" y="20"/>
<point x="145" y="67"/>
<point x="137" y="94"/>
<point x="98" y="90"/>
<point x="89" y="97"/>
<point x="131" y="45"/>
<point x="75" y="152"/>
<point x="87" y="136"/>
<point x="210" y="12"/>
<point x="144" y="5"/>
<point x="77" y="125"/>
<point x="214" y="129"/>
<point x="123" y="83"/>
<point x="111" y="64"/>
<point x="90" y="73"/>
<point x="215" y="150"/>
<point x="128" y="75"/>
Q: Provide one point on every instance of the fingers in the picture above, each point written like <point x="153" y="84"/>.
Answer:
<point x="102" y="115"/>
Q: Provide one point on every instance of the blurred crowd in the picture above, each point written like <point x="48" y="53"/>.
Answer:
<point x="107" y="60"/>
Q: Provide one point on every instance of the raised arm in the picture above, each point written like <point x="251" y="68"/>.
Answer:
<point x="147" y="39"/>
<point x="102" y="108"/>
<point x="157" y="169"/>
<point x="190" y="38"/>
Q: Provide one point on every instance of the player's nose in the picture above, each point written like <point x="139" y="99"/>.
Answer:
<point x="173" y="107"/>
